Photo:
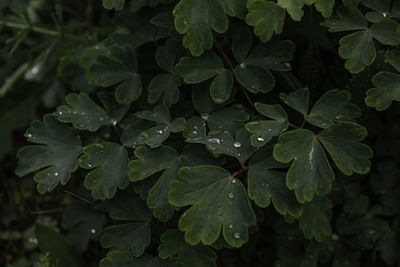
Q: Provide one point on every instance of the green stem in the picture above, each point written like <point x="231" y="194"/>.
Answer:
<point x="40" y="30"/>
<point x="13" y="79"/>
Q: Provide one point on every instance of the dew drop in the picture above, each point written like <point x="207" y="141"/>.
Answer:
<point x="287" y="64"/>
<point x="35" y="70"/>
<point x="205" y="116"/>
<point x="32" y="240"/>
<point x="233" y="181"/>
<point x="384" y="14"/>
<point x="29" y="135"/>
<point x="230" y="195"/>
<point x="159" y="131"/>
<point x="89" y="165"/>
<point x="339" y="116"/>
<point x="93" y="231"/>
<point x="114" y="122"/>
<point x="237" y="144"/>
<point x="243" y="65"/>
<point x="335" y="237"/>
<point x="260" y="139"/>
<point x="194" y="132"/>
<point x="269" y="130"/>
<point x="214" y="140"/>
<point x="101" y="119"/>
<point x="253" y="86"/>
<point x="56" y="174"/>
<point x="230" y="226"/>
<point x="60" y="113"/>
<point x="83" y="113"/>
<point x="74" y="112"/>
<point x="236" y="235"/>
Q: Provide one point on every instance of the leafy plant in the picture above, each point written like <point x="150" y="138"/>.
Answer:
<point x="207" y="132"/>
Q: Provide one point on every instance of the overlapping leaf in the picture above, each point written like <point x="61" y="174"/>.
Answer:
<point x="197" y="19"/>
<point x="358" y="48"/>
<point x="266" y="183"/>
<point x="316" y="217"/>
<point x="165" y="84"/>
<point x="173" y="245"/>
<point x="57" y="151"/>
<point x="310" y="171"/>
<point x="134" y="235"/>
<point x="155" y="135"/>
<point x="226" y="205"/>
<point x="387" y="85"/>
<point x="109" y="162"/>
<point x="253" y="70"/>
<point x="263" y="130"/>
<point x="83" y="113"/>
<point x="119" y="69"/>
<point x="166" y="159"/>
<point x="124" y="258"/>
<point x="196" y="70"/>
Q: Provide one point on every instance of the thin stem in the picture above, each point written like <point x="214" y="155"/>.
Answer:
<point x="38" y="212"/>
<point x="233" y="71"/>
<point x="79" y="197"/>
<point x="13" y="79"/>
<point x="238" y="172"/>
<point x="21" y="26"/>
<point x="302" y="124"/>
<point x="292" y="125"/>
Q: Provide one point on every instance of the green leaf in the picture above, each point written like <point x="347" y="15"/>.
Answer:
<point x="242" y="41"/>
<point x="310" y="170"/>
<point x="347" y="18"/>
<point x="166" y="85"/>
<point x="263" y="131"/>
<point x="234" y="8"/>
<point x="221" y="86"/>
<point x="61" y="251"/>
<point x="393" y="57"/>
<point x="230" y="119"/>
<point x="149" y="162"/>
<point x="166" y="55"/>
<point x="316" y="217"/>
<point x="342" y="143"/>
<point x="113" y="4"/>
<point x="253" y="71"/>
<point x="358" y="49"/>
<point x="173" y="245"/>
<point x="325" y="7"/>
<point x="226" y="205"/>
<point x="127" y="206"/>
<point x="195" y="19"/>
<point x="83" y="113"/>
<point x="109" y="161"/>
<point x="59" y="149"/>
<point x="387" y="90"/>
<point x="194" y="127"/>
<point x="266" y="183"/>
<point x="133" y="127"/>
<point x="133" y="236"/>
<point x="386" y="32"/>
<point x="119" y="68"/>
<point x="267" y="17"/>
<point x="297" y="100"/>
<point x="84" y="223"/>
<point x="293" y="7"/>
<point x="332" y="107"/>
<point x="196" y="70"/>
<point x="124" y="258"/>
<point x="220" y="141"/>
<point x="156" y="135"/>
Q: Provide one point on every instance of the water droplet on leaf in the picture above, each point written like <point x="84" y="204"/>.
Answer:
<point x="230" y="195"/>
<point x="260" y="139"/>
<point x="237" y="144"/>
<point x="236" y="235"/>
<point x="243" y="65"/>
<point x="205" y="116"/>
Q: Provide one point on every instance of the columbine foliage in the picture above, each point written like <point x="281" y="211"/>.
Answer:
<point x="188" y="125"/>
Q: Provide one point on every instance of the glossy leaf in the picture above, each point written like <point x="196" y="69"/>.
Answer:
<point x="298" y="100"/>
<point x="226" y="201"/>
<point x="57" y="151"/>
<point x="387" y="90"/>
<point x="263" y="130"/>
<point x="83" y="113"/>
<point x="310" y="171"/>
<point x="110" y="164"/>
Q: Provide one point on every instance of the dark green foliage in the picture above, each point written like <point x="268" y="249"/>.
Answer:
<point x="200" y="133"/>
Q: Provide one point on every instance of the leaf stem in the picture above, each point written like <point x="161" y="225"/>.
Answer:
<point x="13" y="79"/>
<point x="243" y="169"/>
<point x="233" y="71"/>
<point x="41" y="30"/>
<point x="294" y="126"/>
